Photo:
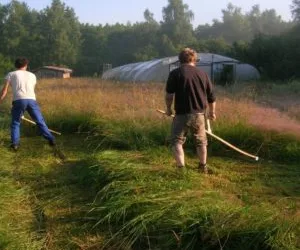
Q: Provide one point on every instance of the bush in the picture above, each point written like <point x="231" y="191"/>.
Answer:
<point x="6" y="65"/>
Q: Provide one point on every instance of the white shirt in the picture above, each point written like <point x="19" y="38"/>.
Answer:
<point x="23" y="83"/>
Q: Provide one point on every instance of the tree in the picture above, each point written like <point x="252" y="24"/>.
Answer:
<point x="254" y="18"/>
<point x="235" y="25"/>
<point x="6" y="65"/>
<point x="177" y="23"/>
<point x="149" y="17"/>
<point x="92" y="50"/>
<point x="296" y="10"/>
<point x="266" y="22"/>
<point x="3" y="15"/>
<point x="145" y="41"/>
<point x="16" y="27"/>
<point x="239" y="50"/>
<point x="60" y="34"/>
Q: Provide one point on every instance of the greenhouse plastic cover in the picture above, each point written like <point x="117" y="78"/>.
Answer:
<point x="157" y="70"/>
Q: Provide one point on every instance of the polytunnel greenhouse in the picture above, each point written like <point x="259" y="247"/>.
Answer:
<point x="221" y="69"/>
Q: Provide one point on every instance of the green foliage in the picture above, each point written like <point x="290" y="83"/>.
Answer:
<point x="92" y="50"/>
<point x="60" y="33"/>
<point x="236" y="26"/>
<point x="240" y="50"/>
<point x="296" y="10"/>
<point x="48" y="37"/>
<point x="276" y="57"/>
<point x="55" y="36"/>
<point x="149" y="17"/>
<point x="177" y="23"/>
<point x="216" y="45"/>
<point x="16" y="22"/>
<point x="6" y="65"/>
<point x="267" y="22"/>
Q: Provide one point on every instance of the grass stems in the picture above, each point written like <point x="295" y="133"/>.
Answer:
<point x="118" y="188"/>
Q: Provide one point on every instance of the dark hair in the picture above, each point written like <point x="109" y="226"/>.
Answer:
<point x="187" y="55"/>
<point x="21" y="62"/>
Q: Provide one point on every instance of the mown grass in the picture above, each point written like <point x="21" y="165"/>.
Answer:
<point x="44" y="201"/>
<point x="18" y="224"/>
<point x="118" y="188"/>
<point x="156" y="207"/>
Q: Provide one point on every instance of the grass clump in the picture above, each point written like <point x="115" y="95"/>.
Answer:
<point x="143" y="134"/>
<point x="127" y="134"/>
<point x="268" y="145"/>
<point x="146" y="206"/>
<point x="17" y="217"/>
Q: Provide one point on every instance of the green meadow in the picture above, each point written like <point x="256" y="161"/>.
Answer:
<point x="112" y="183"/>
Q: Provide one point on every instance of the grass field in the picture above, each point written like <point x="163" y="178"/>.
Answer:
<point x="117" y="187"/>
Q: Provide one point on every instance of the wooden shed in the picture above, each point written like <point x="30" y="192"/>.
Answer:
<point x="52" y="72"/>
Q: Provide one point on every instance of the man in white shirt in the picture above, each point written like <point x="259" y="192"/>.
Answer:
<point x="23" y="83"/>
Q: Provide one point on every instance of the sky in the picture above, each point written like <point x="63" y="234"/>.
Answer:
<point x="122" y="11"/>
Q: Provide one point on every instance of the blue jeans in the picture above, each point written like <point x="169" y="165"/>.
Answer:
<point x="31" y="106"/>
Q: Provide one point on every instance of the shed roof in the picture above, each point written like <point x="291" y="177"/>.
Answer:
<point x="55" y="68"/>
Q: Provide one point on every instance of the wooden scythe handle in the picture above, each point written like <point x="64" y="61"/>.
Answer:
<point x="32" y="122"/>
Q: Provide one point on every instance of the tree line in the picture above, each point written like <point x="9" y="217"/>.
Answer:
<point x="55" y="36"/>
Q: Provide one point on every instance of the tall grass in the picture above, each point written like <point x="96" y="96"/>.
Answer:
<point x="284" y="96"/>
<point x="123" y="115"/>
<point x="74" y="104"/>
<point x="145" y="204"/>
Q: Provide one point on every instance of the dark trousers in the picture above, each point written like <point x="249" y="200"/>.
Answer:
<point x="31" y="106"/>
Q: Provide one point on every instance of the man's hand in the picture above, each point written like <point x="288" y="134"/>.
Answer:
<point x="4" y="91"/>
<point x="212" y="116"/>
<point x="169" y="101"/>
<point x="169" y="112"/>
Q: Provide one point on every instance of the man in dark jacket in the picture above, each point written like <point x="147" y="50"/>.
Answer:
<point x="193" y="93"/>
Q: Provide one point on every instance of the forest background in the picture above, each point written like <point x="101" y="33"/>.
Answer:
<point x="55" y="36"/>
